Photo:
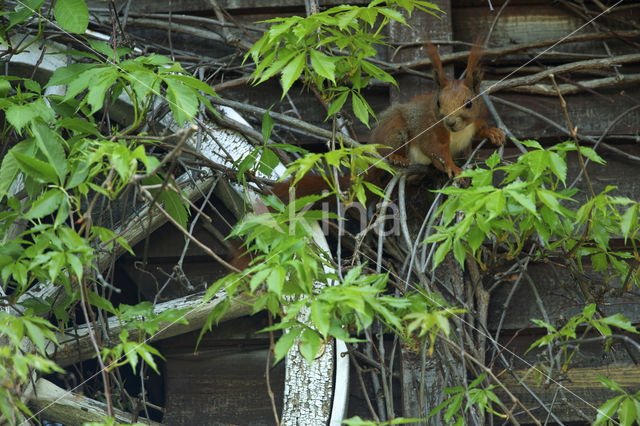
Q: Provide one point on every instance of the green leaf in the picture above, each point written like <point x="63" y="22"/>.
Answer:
<point x="107" y="49"/>
<point x="589" y="310"/>
<point x="182" y="101"/>
<point x="441" y="252"/>
<point x="493" y="160"/>
<point x="619" y="321"/>
<point x="10" y="167"/>
<point x="310" y="343"/>
<point x="284" y="343"/>
<point x="79" y="126"/>
<point x="83" y="82"/>
<point x="267" y="125"/>
<point x="459" y="251"/>
<point x="72" y="15"/>
<point x="495" y="203"/>
<point x="544" y="324"/>
<point x="99" y="88"/>
<point x="629" y="221"/>
<point x="347" y="18"/>
<point x="100" y="302"/>
<point x="268" y="161"/>
<point x="258" y="278"/>
<point x="36" y="169"/>
<point x="146" y="351"/>
<point x="5" y="88"/>
<point x="599" y="262"/>
<point x="143" y="81"/>
<point x="393" y="14"/>
<point x="276" y="279"/>
<point x="51" y="146"/>
<point x="321" y="316"/>
<point x="475" y="238"/>
<point x="360" y="108"/>
<point x="19" y="115"/>
<point x="36" y="335"/>
<point x="558" y="166"/>
<point x="45" y="204"/>
<point x="531" y="144"/>
<point x="23" y="10"/>
<point x="610" y="383"/>
<point x="591" y="154"/>
<point x="76" y="265"/>
<point x="627" y="412"/>
<point x="175" y="206"/>
<point x="526" y="200"/>
<point x="378" y="73"/>
<point x="549" y="199"/>
<point x="292" y="71"/>
<point x="32" y="85"/>
<point x="194" y="83"/>
<point x="608" y="410"/>
<point x="337" y="103"/>
<point x="323" y="65"/>
<point x="66" y="75"/>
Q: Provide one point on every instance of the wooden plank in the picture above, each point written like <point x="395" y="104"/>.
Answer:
<point x="524" y="23"/>
<point x="70" y="408"/>
<point x="590" y="113"/>
<point x="560" y="295"/>
<point x="224" y="382"/>
<point x="422" y="27"/>
<point x="223" y="386"/>
<point x="581" y="390"/>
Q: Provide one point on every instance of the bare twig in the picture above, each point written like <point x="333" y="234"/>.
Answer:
<point x="573" y="131"/>
<point x="267" y="373"/>
<point x="293" y="122"/>
<point x="206" y="249"/>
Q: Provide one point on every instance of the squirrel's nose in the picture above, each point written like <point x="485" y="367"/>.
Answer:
<point x="451" y="122"/>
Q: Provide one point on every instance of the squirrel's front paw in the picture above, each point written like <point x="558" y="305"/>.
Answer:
<point x="495" y="135"/>
<point x="398" y="160"/>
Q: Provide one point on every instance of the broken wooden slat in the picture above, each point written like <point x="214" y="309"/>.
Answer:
<point x="77" y="347"/>
<point x="62" y="406"/>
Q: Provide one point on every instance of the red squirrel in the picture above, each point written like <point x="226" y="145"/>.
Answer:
<point x="433" y="128"/>
<point x="430" y="129"/>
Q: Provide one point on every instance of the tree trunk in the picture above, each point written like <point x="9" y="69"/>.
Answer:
<point x="308" y="389"/>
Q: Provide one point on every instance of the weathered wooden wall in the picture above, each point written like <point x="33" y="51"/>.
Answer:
<point x="521" y="21"/>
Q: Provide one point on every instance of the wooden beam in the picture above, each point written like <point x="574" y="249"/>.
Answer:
<point x="77" y="347"/>
<point x="59" y="405"/>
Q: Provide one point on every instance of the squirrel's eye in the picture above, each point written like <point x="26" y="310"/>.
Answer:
<point x="438" y="103"/>
<point x="468" y="105"/>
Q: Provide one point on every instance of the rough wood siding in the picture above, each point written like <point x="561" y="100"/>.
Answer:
<point x="422" y="27"/>
<point x="224" y="381"/>
<point x="528" y="21"/>
<point x="520" y="22"/>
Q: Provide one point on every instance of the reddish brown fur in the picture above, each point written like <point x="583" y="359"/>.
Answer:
<point x="432" y="128"/>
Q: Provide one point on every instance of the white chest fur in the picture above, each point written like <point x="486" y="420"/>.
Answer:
<point x="416" y="156"/>
<point x="458" y="142"/>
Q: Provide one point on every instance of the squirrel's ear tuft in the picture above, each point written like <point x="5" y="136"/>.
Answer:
<point x="474" y="73"/>
<point x="438" y="71"/>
